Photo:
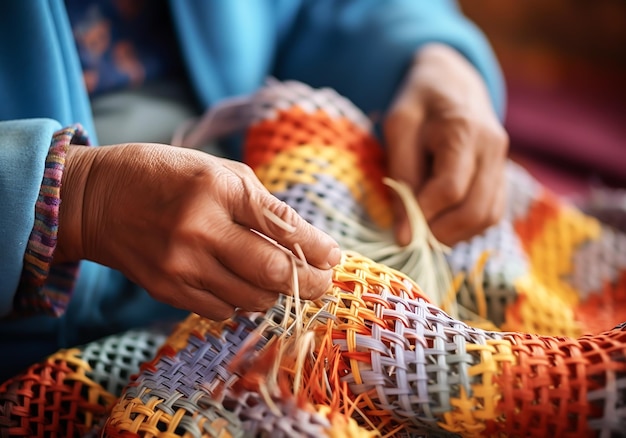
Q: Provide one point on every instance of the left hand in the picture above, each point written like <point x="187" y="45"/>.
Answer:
<point x="444" y="139"/>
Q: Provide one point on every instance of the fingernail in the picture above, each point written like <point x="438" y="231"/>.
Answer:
<point x="334" y="257"/>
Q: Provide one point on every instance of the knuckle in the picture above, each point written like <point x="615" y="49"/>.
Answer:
<point x="452" y="191"/>
<point x="496" y="136"/>
<point x="467" y="122"/>
<point x="500" y="137"/>
<point x="243" y="170"/>
<point x="262" y="302"/>
<point x="277" y="271"/>
<point x="220" y="313"/>
<point x="172" y="267"/>
<point x="285" y="213"/>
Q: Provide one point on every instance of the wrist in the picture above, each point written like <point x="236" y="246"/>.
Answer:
<point x="440" y="72"/>
<point x="78" y="164"/>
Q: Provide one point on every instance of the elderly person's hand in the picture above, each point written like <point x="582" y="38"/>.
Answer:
<point x="178" y="222"/>
<point x="445" y="140"/>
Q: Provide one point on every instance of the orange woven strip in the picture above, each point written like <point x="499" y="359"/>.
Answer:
<point x="293" y="127"/>
<point x="305" y="164"/>
<point x="55" y="398"/>
<point x="606" y="307"/>
<point x="544" y="207"/>
<point x="538" y="310"/>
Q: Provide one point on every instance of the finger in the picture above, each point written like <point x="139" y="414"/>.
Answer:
<point x="498" y="204"/>
<point x="243" y="171"/>
<point x="234" y="289"/>
<point x="266" y="266"/>
<point x="206" y="274"/>
<point x="453" y="168"/>
<point x="476" y="212"/>
<point x="257" y="209"/>
<point x="405" y="161"/>
<point x="199" y="301"/>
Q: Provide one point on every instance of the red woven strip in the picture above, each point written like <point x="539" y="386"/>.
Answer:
<point x="294" y="127"/>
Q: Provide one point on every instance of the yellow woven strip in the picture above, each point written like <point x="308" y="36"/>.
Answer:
<point x="461" y="420"/>
<point x="551" y="251"/>
<point x="300" y="165"/>
<point x="471" y="412"/>
<point x="488" y="390"/>
<point x="343" y="427"/>
<point x="96" y="394"/>
<point x="539" y="310"/>
<point x="476" y="279"/>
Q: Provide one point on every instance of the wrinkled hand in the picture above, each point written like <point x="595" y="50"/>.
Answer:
<point x="445" y="140"/>
<point x="178" y="222"/>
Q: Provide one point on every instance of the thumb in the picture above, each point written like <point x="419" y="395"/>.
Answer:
<point x="452" y="172"/>
<point x="405" y="161"/>
<point x="261" y="211"/>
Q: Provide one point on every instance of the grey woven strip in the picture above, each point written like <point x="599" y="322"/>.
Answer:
<point x="115" y="359"/>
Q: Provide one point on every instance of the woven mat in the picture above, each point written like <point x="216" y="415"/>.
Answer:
<point x="377" y="355"/>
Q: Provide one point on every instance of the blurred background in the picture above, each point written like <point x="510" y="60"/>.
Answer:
<point x="565" y="66"/>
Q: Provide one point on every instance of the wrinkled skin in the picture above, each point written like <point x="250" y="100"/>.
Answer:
<point x="178" y="222"/>
<point x="445" y="140"/>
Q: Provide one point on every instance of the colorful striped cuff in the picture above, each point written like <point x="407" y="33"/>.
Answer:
<point x="45" y="288"/>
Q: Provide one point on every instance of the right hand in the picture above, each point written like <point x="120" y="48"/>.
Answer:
<point x="178" y="223"/>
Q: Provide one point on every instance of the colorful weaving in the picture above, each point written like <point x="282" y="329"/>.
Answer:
<point x="69" y="393"/>
<point x="377" y="355"/>
<point x="544" y="268"/>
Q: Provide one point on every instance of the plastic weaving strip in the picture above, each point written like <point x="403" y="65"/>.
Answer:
<point x="323" y="161"/>
<point x="386" y="357"/>
<point x="70" y="392"/>
<point x="301" y="146"/>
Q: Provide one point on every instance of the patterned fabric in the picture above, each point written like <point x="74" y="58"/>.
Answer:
<point x="45" y="288"/>
<point x="122" y="43"/>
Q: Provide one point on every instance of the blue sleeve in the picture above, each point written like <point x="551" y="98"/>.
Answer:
<point x="24" y="145"/>
<point x="40" y="75"/>
<point x="363" y="48"/>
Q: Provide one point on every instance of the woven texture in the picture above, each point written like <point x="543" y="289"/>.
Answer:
<point x="381" y="357"/>
<point x="68" y="394"/>
<point x="377" y="355"/>
<point x="549" y="268"/>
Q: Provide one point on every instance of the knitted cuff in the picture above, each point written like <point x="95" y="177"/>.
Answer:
<point x="45" y="288"/>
